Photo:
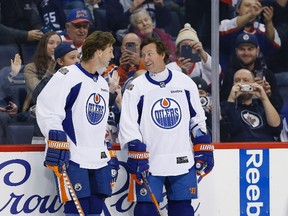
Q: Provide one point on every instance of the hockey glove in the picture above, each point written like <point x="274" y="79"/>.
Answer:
<point x="203" y="155"/>
<point x="113" y="163"/>
<point x="137" y="162"/>
<point x="58" y="154"/>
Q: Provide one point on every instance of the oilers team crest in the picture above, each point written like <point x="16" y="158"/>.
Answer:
<point x="166" y="113"/>
<point x="95" y="108"/>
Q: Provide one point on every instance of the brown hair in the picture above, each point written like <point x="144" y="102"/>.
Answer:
<point x="41" y="58"/>
<point x="160" y="47"/>
<point x="98" y="40"/>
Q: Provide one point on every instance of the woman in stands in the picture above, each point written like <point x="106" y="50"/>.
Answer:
<point x="142" y="25"/>
<point x="43" y="64"/>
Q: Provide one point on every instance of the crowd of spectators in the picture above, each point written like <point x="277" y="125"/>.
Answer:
<point x="253" y="36"/>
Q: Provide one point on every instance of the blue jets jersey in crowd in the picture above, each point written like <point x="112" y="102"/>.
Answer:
<point x="76" y="102"/>
<point x="162" y="115"/>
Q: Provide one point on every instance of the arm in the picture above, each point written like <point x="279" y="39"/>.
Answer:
<point x="254" y="12"/>
<point x="272" y="115"/>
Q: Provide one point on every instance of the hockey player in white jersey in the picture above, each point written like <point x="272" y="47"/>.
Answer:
<point x="72" y="112"/>
<point x="161" y="114"/>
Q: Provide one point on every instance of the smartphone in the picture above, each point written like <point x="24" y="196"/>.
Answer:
<point x="186" y="52"/>
<point x="131" y="46"/>
<point x="259" y="73"/>
<point x="8" y="107"/>
<point x="266" y="3"/>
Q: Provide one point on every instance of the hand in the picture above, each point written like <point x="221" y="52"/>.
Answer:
<point x="198" y="47"/>
<point x="137" y="162"/>
<point x="203" y="155"/>
<point x="114" y="81"/>
<point x="34" y="35"/>
<point x="113" y="163"/>
<point x="58" y="154"/>
<point x="16" y="65"/>
<point x="267" y="14"/>
<point x="185" y="64"/>
<point x="13" y="109"/>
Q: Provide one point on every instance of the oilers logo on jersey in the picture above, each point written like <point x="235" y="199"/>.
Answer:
<point x="166" y="113"/>
<point x="95" y="108"/>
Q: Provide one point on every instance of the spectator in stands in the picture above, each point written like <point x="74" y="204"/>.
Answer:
<point x="42" y="66"/>
<point x="141" y="24"/>
<point x="129" y="61"/>
<point x="52" y="14"/>
<point x="247" y="51"/>
<point x="8" y="109"/>
<point x="198" y="14"/>
<point x="19" y="22"/>
<point x="119" y="12"/>
<point x="205" y="99"/>
<point x="65" y="54"/>
<point x="15" y="36"/>
<point x="248" y="115"/>
<point x="200" y="65"/>
<point x="77" y="25"/>
<point x="247" y="20"/>
<point x="20" y="14"/>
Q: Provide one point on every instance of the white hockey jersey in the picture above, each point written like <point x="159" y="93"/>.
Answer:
<point x="161" y="115"/>
<point x="76" y="102"/>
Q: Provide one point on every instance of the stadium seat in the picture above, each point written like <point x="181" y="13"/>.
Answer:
<point x="20" y="133"/>
<point x="7" y="52"/>
<point x="27" y="52"/>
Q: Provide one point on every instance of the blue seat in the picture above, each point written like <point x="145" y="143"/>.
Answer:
<point x="7" y="52"/>
<point x="20" y="133"/>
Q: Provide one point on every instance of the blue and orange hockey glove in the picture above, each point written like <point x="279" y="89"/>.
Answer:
<point x="58" y="153"/>
<point x="137" y="162"/>
<point x="203" y="154"/>
<point x="113" y="163"/>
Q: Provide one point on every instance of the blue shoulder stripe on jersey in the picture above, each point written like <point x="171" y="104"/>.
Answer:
<point x="140" y="109"/>
<point x="68" y="123"/>
<point x="158" y="83"/>
<point x="191" y="109"/>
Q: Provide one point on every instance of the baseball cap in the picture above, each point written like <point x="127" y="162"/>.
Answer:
<point x="246" y="38"/>
<point x="200" y="83"/>
<point x="79" y="15"/>
<point x="187" y="33"/>
<point x="63" y="48"/>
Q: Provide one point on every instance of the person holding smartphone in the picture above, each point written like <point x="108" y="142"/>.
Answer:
<point x="129" y="61"/>
<point x="191" y="58"/>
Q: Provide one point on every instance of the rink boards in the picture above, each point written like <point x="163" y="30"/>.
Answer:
<point x="248" y="179"/>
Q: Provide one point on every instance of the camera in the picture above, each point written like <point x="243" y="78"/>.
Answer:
<point x="205" y="101"/>
<point x="246" y="88"/>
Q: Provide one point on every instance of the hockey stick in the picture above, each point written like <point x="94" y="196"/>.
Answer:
<point x="151" y="194"/>
<point x="72" y="192"/>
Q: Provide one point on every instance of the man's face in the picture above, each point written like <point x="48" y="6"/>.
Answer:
<point x="245" y="6"/>
<point x="243" y="77"/>
<point x="131" y="37"/>
<point x="77" y="32"/>
<point x="247" y="53"/>
<point x="152" y="60"/>
<point x="106" y="56"/>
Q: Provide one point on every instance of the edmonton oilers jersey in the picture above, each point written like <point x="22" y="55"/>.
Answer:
<point x="160" y="114"/>
<point x="77" y="102"/>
